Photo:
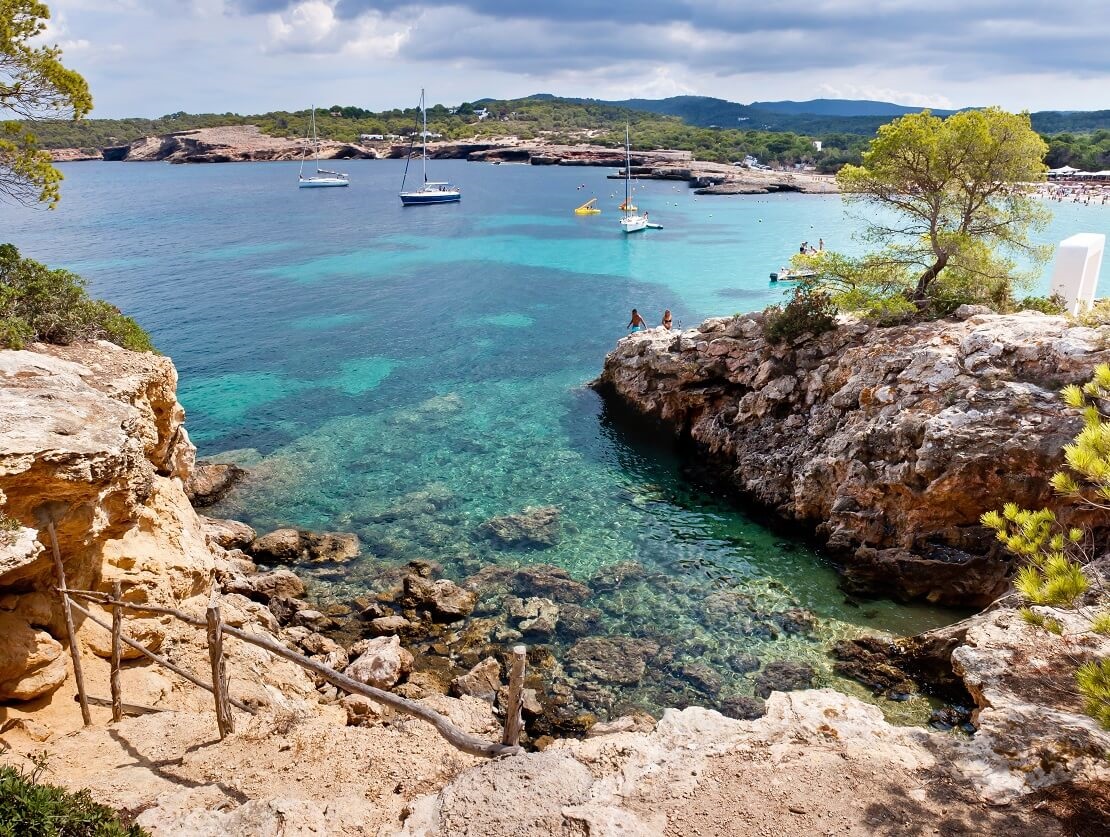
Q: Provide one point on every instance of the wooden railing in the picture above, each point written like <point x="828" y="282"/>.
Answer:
<point x="216" y="630"/>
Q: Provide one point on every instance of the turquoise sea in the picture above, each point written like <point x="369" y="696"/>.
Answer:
<point x="408" y="373"/>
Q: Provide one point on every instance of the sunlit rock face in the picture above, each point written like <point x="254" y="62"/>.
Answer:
<point x="890" y="442"/>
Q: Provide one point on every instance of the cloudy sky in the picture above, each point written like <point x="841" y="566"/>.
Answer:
<point x="151" y="57"/>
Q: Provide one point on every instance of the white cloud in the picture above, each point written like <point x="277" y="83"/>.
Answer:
<point x="885" y="94"/>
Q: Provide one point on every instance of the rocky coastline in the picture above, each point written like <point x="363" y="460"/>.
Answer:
<point x="94" y="437"/>
<point x="246" y="143"/>
<point x="888" y="443"/>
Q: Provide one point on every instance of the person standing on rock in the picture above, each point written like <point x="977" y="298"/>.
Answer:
<point x="637" y="322"/>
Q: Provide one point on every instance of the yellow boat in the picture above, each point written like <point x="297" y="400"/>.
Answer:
<point x="588" y="208"/>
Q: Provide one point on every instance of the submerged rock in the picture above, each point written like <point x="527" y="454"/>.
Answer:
<point x="873" y="662"/>
<point x="613" y="659"/>
<point x="783" y="676"/>
<point x="743" y="707"/>
<point x="210" y="481"/>
<point x="535" y="527"/>
<point x="534" y="616"/>
<point x="266" y="586"/>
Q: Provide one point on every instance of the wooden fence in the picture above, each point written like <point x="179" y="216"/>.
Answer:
<point x="216" y="630"/>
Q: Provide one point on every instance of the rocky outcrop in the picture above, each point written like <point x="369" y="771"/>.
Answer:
<point x="299" y="546"/>
<point x="229" y="144"/>
<point x="889" y="442"/>
<point x="209" y="481"/>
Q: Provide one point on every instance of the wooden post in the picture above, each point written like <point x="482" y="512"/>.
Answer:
<point x="219" y="671"/>
<point x="74" y="649"/>
<point x="117" y="652"/>
<point x="514" y="717"/>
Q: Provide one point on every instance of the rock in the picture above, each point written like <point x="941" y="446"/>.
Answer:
<point x="149" y="632"/>
<point x="31" y="661"/>
<point x="873" y="662"/>
<point x="445" y="600"/>
<point x="210" y="481"/>
<point x="783" y="676"/>
<point x="361" y="711"/>
<point x="743" y="707"/>
<point x="20" y="551"/>
<point x="266" y="586"/>
<point x="613" y="659"/>
<point x="285" y="608"/>
<point x="535" y="527"/>
<point x="890" y="441"/>
<point x="481" y="682"/>
<point x="381" y="662"/>
<point x="229" y="143"/>
<point x="230" y="534"/>
<point x="550" y="582"/>
<point x="795" y="621"/>
<point x="743" y="663"/>
<point x="534" y="616"/>
<point x="702" y="677"/>
<point x="576" y="621"/>
<point x="295" y="546"/>
<point x="29" y="728"/>
<point x="637" y="722"/>
<point x="388" y="625"/>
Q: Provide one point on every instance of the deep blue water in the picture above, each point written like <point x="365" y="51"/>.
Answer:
<point x="362" y="358"/>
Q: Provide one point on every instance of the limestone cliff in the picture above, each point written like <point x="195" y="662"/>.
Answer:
<point x="91" y="437"/>
<point x="889" y="441"/>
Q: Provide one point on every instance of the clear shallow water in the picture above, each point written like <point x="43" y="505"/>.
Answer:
<point x="408" y="373"/>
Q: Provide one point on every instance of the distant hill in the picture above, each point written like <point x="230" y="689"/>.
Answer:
<point x="842" y="107"/>
<point x="818" y="117"/>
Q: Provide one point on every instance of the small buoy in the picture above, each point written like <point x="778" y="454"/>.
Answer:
<point x="761" y="220"/>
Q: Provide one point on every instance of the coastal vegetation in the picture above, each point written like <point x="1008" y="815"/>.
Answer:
<point x="52" y="306"/>
<point x="1056" y="559"/>
<point x="32" y="808"/>
<point x="34" y="85"/>
<point x="945" y="216"/>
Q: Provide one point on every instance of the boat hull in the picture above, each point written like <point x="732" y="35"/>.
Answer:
<point x="323" y="183"/>
<point x="633" y="224"/>
<point x="418" y="198"/>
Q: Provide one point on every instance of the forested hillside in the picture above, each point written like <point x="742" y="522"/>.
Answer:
<point x="784" y="138"/>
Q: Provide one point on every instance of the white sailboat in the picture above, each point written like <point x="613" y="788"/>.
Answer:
<point x="631" y="221"/>
<point x="323" y="177"/>
<point x="429" y="191"/>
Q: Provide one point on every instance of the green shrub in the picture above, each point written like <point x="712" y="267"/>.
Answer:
<point x="809" y="312"/>
<point x="1094" y="684"/>
<point x="1054" y="304"/>
<point x="29" y="808"/>
<point x="52" y="306"/>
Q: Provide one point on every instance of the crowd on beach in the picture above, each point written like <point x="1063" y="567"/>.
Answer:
<point x="1086" y="194"/>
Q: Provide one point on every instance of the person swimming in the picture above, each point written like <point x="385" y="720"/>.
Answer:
<point x="667" y="319"/>
<point x="637" y="322"/>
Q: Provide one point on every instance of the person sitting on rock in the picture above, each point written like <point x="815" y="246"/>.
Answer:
<point x="637" y="322"/>
<point x="667" y="319"/>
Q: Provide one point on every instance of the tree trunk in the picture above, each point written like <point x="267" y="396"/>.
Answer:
<point x="928" y="276"/>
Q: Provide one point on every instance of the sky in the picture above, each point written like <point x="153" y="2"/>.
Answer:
<point x="153" y="57"/>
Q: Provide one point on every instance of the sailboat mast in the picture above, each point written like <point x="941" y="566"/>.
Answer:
<point x="424" y="134"/>
<point x="627" y="171"/>
<point x="315" y="139"/>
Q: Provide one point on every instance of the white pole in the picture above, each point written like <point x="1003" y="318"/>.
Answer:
<point x="424" y="154"/>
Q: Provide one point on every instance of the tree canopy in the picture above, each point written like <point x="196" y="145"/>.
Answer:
<point x="34" y="85"/>
<point x="946" y="195"/>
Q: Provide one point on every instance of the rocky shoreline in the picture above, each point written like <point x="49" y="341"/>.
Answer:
<point x="246" y="143"/>
<point x="94" y="435"/>
<point x="889" y="443"/>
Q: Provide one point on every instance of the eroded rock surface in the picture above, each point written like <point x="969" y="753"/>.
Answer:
<point x="889" y="441"/>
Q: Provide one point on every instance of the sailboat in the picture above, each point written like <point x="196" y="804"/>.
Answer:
<point x="323" y="177"/>
<point x="429" y="191"/>
<point x="632" y="221"/>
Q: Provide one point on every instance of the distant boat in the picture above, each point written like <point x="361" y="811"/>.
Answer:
<point x="323" y="177"/>
<point x="588" y="208"/>
<point x="632" y="221"/>
<point x="785" y="274"/>
<point x="430" y="191"/>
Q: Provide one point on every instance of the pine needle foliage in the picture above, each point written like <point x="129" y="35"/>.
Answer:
<point x="1093" y="679"/>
